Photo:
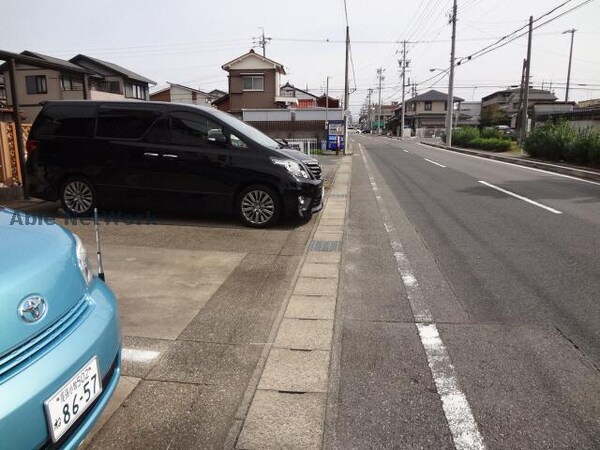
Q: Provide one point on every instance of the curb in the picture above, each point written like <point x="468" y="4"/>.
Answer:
<point x="564" y="170"/>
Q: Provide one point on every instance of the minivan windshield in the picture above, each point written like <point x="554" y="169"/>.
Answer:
<point x="257" y="136"/>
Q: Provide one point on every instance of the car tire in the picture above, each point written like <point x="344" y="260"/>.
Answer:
<point x="259" y="206"/>
<point x="78" y="196"/>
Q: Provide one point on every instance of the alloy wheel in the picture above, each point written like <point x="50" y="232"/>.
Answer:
<point x="78" y="197"/>
<point x="258" y="207"/>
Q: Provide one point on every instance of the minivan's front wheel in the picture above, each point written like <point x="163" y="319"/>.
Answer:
<point x="78" y="196"/>
<point x="259" y="206"/>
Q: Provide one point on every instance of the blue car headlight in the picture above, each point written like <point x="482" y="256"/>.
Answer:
<point x="82" y="260"/>
<point x="293" y="167"/>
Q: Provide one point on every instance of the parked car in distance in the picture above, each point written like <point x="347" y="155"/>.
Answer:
<point x="60" y="341"/>
<point x="85" y="153"/>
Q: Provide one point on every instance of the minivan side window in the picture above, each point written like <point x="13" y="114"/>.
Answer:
<point x="67" y="120"/>
<point x="125" y="123"/>
<point x="195" y="129"/>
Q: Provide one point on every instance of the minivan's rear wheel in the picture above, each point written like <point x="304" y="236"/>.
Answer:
<point x="259" y="206"/>
<point x="78" y="196"/>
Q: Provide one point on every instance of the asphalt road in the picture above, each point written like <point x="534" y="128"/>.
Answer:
<point x="504" y="263"/>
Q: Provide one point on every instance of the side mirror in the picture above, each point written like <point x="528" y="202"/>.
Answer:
<point x="219" y="138"/>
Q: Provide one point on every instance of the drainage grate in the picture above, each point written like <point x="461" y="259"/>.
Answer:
<point x="324" y="246"/>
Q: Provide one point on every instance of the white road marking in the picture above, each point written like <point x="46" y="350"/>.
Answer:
<point x="141" y="356"/>
<point x="433" y="162"/>
<point x="454" y="402"/>
<point x="516" y="166"/>
<point x="520" y="197"/>
<point x="405" y="151"/>
<point x="457" y="410"/>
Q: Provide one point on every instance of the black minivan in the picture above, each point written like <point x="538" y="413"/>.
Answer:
<point x="88" y="153"/>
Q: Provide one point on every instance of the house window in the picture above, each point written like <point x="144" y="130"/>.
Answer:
<point x="138" y="91"/>
<point x="36" y="84"/>
<point x="2" y="88"/>
<point x="253" y="83"/>
<point x="112" y="87"/>
<point x="70" y="83"/>
<point x="428" y="106"/>
<point x="446" y="105"/>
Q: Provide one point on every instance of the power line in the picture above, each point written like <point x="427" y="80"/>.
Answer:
<point x="487" y="49"/>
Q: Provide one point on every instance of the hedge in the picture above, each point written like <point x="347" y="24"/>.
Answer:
<point x="561" y="142"/>
<point x="488" y="139"/>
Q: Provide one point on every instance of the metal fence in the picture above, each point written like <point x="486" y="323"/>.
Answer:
<point x="308" y="145"/>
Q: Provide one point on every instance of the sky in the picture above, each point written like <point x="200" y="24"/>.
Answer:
<point x="187" y="42"/>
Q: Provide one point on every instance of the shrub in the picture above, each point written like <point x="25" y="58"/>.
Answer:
<point x="587" y="145"/>
<point x="550" y="141"/>
<point x="462" y="136"/>
<point x="492" y="133"/>
<point x="561" y="142"/>
<point x="493" y="144"/>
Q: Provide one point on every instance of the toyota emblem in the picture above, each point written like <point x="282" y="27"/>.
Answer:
<point x="32" y="309"/>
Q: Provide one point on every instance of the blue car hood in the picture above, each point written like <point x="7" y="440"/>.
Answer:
<point x="35" y="259"/>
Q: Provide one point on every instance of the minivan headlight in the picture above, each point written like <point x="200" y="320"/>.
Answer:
<point x="82" y="260"/>
<point x="293" y="167"/>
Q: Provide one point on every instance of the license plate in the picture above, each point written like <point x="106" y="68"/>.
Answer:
<point x="72" y="399"/>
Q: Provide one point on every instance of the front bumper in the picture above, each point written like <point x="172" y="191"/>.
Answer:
<point x="23" y="422"/>
<point x="304" y="198"/>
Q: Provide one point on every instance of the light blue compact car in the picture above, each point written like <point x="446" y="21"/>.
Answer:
<point x="60" y="341"/>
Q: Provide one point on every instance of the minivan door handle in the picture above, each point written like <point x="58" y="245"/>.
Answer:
<point x="153" y="155"/>
<point x="170" y="155"/>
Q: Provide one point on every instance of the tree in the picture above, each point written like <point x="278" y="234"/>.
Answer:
<point x="492" y="115"/>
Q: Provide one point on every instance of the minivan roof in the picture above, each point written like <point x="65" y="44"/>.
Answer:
<point x="134" y="103"/>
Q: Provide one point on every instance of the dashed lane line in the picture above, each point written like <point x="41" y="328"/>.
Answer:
<point x="455" y="405"/>
<point x="433" y="162"/>
<point x="520" y="197"/>
<point x="514" y="165"/>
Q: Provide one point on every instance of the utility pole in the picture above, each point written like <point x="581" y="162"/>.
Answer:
<point x="521" y="91"/>
<point x="450" y="108"/>
<point x="346" y="109"/>
<point x="369" y="111"/>
<point x="262" y="40"/>
<point x="404" y="66"/>
<point x="572" y="31"/>
<point x="327" y="115"/>
<point x="381" y="78"/>
<point x="525" y="118"/>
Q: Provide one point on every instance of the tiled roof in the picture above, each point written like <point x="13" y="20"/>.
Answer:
<point x="114" y="68"/>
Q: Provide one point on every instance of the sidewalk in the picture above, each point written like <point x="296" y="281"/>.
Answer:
<point x="285" y="407"/>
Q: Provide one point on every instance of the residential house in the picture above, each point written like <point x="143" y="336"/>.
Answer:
<point x="34" y="84"/>
<point x="381" y="116"/>
<point x="281" y="111"/>
<point x="325" y="101"/>
<point x="468" y="114"/>
<point x="254" y="83"/>
<point x="3" y="96"/>
<point x="591" y="103"/>
<point x="304" y="99"/>
<point x="80" y="78"/>
<point x="509" y="100"/>
<point x="571" y="112"/>
<point x="426" y="113"/>
<point x="216" y="94"/>
<point x="178" y="93"/>
<point x="113" y="82"/>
